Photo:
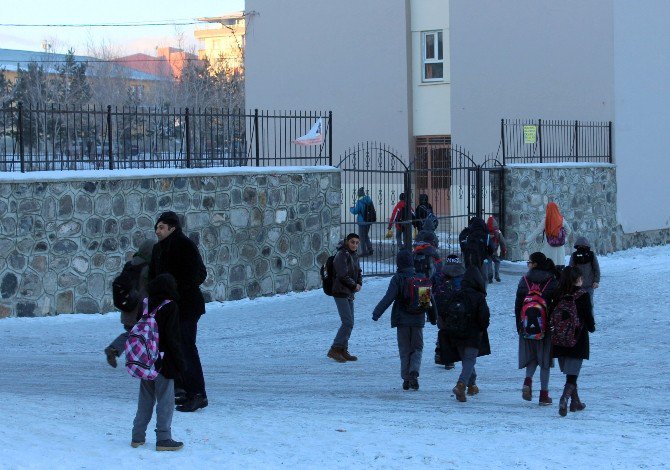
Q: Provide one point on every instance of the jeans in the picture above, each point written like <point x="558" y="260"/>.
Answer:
<point x="468" y="360"/>
<point x="364" y="234"/>
<point x="345" y="307"/>
<point x="410" y="347"/>
<point x="161" y="392"/>
<point x="493" y="268"/>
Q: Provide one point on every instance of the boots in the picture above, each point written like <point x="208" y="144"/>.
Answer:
<point x="527" y="389"/>
<point x="347" y="356"/>
<point x="459" y="391"/>
<point x="568" y="390"/>
<point x="473" y="389"/>
<point x="545" y="399"/>
<point x="336" y="354"/>
<point x="575" y="403"/>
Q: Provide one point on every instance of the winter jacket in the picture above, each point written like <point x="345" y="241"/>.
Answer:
<point x="449" y="273"/>
<point x="173" y="363"/>
<point x="535" y="276"/>
<point x="474" y="288"/>
<point x="395" y="295"/>
<point x="359" y="209"/>
<point x="497" y="238"/>
<point x="141" y="257"/>
<point x="420" y="214"/>
<point x="581" y="349"/>
<point x="474" y="254"/>
<point x="555" y="253"/>
<point x="398" y="215"/>
<point x="176" y="254"/>
<point x="347" y="273"/>
<point x="587" y="262"/>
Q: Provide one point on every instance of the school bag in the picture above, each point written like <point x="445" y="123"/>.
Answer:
<point x="369" y="213"/>
<point x="534" y="311"/>
<point x="126" y="287"/>
<point x="430" y="222"/>
<point x="565" y="323"/>
<point x="327" y="272"/>
<point x="141" y="347"/>
<point x="423" y="264"/>
<point x="444" y="289"/>
<point x="558" y="240"/>
<point x="456" y="315"/>
<point x="417" y="294"/>
<point x="476" y="247"/>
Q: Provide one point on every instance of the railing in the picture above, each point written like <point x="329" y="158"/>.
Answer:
<point x="547" y="141"/>
<point x="67" y="138"/>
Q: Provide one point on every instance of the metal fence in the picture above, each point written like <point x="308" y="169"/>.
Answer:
<point x="550" y="141"/>
<point x="67" y="138"/>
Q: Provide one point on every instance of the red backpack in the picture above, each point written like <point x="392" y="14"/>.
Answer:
<point x="534" y="311"/>
<point x="565" y="323"/>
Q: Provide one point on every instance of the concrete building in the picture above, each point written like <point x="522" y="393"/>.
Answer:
<point x="222" y="41"/>
<point x="167" y="63"/>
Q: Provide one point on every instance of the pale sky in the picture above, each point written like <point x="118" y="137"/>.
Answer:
<point x="121" y="40"/>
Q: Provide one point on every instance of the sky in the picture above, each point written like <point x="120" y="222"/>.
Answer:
<point x="122" y="40"/>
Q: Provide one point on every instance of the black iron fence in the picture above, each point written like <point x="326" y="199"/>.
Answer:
<point x="67" y="138"/>
<point x="550" y="141"/>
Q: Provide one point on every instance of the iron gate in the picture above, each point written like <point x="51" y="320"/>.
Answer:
<point x="456" y="186"/>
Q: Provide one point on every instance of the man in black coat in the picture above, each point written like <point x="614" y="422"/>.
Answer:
<point x="176" y="254"/>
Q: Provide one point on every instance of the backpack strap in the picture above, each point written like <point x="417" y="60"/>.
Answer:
<point x="154" y="311"/>
<point x="545" y="286"/>
<point x="525" y="279"/>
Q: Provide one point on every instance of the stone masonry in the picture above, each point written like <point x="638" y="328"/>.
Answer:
<point x="64" y="237"/>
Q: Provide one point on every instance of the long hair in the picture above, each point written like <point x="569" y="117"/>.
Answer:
<point x="553" y="220"/>
<point x="566" y="284"/>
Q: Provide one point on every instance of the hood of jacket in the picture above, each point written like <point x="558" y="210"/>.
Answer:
<point x="538" y="275"/>
<point x="453" y="269"/>
<point x="477" y="225"/>
<point x="473" y="279"/>
<point x="582" y="241"/>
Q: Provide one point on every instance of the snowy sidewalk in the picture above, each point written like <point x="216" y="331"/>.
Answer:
<point x="277" y="401"/>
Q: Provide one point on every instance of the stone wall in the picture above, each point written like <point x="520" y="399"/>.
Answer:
<point x="65" y="236"/>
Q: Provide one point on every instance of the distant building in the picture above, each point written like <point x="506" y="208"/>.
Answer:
<point x="223" y="41"/>
<point x="168" y="62"/>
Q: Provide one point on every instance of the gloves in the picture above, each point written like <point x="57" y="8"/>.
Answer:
<point x="389" y="234"/>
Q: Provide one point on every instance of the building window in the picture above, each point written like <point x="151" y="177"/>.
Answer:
<point x="433" y="56"/>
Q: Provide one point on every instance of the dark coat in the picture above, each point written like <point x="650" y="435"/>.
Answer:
<point x="178" y="255"/>
<point x="474" y="255"/>
<point x="449" y="272"/>
<point x="474" y="287"/>
<point x="173" y="363"/>
<point x="421" y="213"/>
<point x="540" y="277"/>
<point x="347" y="273"/>
<point x="394" y="295"/>
<point x="581" y="349"/>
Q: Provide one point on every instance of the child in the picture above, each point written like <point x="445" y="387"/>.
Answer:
<point x="446" y="282"/>
<point x="570" y="358"/>
<point x="172" y="363"/>
<point x="465" y="321"/>
<point x="536" y="352"/>
<point x="497" y="247"/>
<point x="409" y="325"/>
<point x="139" y="263"/>
<point x="587" y="262"/>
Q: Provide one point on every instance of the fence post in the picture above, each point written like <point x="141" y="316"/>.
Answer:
<point x="21" y="150"/>
<point x="539" y="137"/>
<point x="479" y="193"/>
<point x="330" y="138"/>
<point x="576" y="141"/>
<point x="502" y="139"/>
<point x="188" y="138"/>
<point x="109" y="136"/>
<point x="610" y="141"/>
<point x="258" y="142"/>
<point x="407" y="213"/>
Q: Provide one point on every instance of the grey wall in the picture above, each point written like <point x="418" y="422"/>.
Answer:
<point x="528" y="59"/>
<point x="64" y="237"/>
<point x="347" y="56"/>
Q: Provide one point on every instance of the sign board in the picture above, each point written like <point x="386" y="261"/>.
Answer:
<point x="529" y="134"/>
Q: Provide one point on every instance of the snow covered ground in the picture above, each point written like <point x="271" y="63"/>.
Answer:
<point x="277" y="401"/>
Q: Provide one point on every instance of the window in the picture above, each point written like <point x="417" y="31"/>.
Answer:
<point x="433" y="56"/>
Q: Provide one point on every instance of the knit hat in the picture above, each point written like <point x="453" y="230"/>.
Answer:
<point x="426" y="236"/>
<point x="452" y="259"/>
<point x="404" y="259"/>
<point x="361" y="191"/>
<point x="582" y="241"/>
<point x="169" y="218"/>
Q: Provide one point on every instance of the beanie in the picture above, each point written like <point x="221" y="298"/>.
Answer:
<point x="361" y="191"/>
<point x="169" y="218"/>
<point x="452" y="259"/>
<point x="404" y="259"/>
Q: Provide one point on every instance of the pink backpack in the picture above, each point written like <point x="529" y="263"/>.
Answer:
<point x="142" y="345"/>
<point x="565" y="323"/>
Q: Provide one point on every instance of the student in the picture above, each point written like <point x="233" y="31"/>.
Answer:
<point x="497" y="248"/>
<point x="397" y="218"/>
<point x="536" y="352"/>
<point x="446" y="282"/>
<point x="570" y="358"/>
<point x="427" y="259"/>
<point x="409" y="325"/>
<point x="474" y="242"/>
<point x="465" y="322"/>
<point x="172" y="363"/>
<point x="348" y="280"/>
<point x="587" y="262"/>
<point x="555" y="231"/>
<point x="424" y="217"/>
<point x="359" y="210"/>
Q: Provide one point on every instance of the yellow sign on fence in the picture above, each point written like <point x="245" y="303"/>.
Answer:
<point x="529" y="134"/>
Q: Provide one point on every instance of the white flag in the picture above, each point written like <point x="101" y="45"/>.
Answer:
<point x="313" y="137"/>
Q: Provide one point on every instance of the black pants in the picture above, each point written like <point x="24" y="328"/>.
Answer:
<point x="192" y="380"/>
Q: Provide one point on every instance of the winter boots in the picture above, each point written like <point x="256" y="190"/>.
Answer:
<point x="545" y="399"/>
<point x="459" y="391"/>
<point x="136" y="444"/>
<point x="473" y="389"/>
<point x="194" y="403"/>
<point x="168" y="444"/>
<point x="414" y="380"/>
<point x="568" y="390"/>
<point x="335" y="353"/>
<point x="449" y="365"/>
<point x="527" y="390"/>
<point x="575" y="403"/>
<point x="405" y="384"/>
<point x="347" y="356"/>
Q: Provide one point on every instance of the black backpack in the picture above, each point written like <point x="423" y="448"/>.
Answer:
<point x="126" y="287"/>
<point x="476" y="247"/>
<point x="456" y="315"/>
<point x="424" y="264"/>
<point x="369" y="213"/>
<point x="417" y="294"/>
<point x="327" y="272"/>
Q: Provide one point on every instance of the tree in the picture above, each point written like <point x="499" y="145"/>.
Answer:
<point x="71" y="84"/>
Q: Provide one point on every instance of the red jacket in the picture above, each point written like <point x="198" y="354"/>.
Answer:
<point x="396" y="215"/>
